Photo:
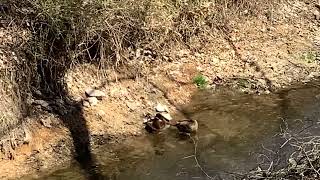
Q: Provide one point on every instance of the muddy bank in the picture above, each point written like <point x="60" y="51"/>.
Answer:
<point x="52" y="148"/>
<point x="238" y="133"/>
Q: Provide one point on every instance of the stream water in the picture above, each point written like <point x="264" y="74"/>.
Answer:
<point x="237" y="132"/>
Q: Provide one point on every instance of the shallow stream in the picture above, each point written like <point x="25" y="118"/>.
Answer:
<point x="237" y="133"/>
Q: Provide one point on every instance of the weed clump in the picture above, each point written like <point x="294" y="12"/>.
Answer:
<point x="309" y="56"/>
<point x="200" y="81"/>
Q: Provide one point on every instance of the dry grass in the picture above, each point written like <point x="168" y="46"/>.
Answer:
<point x="67" y="32"/>
<point x="64" y="33"/>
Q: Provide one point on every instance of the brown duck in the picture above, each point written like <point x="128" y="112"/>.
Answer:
<point x="155" y="124"/>
<point x="187" y="126"/>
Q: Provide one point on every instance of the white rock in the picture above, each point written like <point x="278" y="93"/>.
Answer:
<point x="93" y="101"/>
<point x="161" y="108"/>
<point x="46" y="122"/>
<point x="316" y="15"/>
<point x="86" y="104"/>
<point x="94" y="93"/>
<point x="78" y="99"/>
<point x="27" y="136"/>
<point x="101" y="113"/>
<point x="132" y="106"/>
<point x="41" y="103"/>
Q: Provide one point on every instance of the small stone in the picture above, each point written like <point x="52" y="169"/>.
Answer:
<point x="147" y="52"/>
<point x="78" y="99"/>
<point x="132" y="106"/>
<point x="27" y="136"/>
<point x="101" y="113"/>
<point x="292" y="162"/>
<point x="138" y="52"/>
<point x="93" y="101"/>
<point x="166" y="58"/>
<point x="316" y="15"/>
<point x="161" y="108"/>
<point x="86" y="104"/>
<point x="46" y="122"/>
<point x="42" y="103"/>
<point x="94" y="93"/>
<point x="311" y="76"/>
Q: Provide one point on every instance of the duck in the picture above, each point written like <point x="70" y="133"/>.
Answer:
<point x="187" y="126"/>
<point x="154" y="124"/>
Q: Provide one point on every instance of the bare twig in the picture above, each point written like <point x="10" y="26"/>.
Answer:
<point x="196" y="159"/>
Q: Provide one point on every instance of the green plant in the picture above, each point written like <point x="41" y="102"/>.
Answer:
<point x="200" y="81"/>
<point x="309" y="56"/>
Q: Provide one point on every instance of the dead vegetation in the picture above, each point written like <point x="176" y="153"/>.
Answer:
<point x="64" y="33"/>
<point x="301" y="159"/>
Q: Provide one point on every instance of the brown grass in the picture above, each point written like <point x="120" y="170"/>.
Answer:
<point x="64" y="33"/>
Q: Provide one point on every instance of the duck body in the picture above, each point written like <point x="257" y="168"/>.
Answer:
<point x="155" y="124"/>
<point x="187" y="126"/>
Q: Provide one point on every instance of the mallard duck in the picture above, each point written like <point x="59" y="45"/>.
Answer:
<point x="155" y="124"/>
<point x="187" y="126"/>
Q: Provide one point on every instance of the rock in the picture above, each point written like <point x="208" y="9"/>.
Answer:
<point x="93" y="101"/>
<point x="101" y="113"/>
<point x="312" y="75"/>
<point x="132" y="106"/>
<point x="166" y="116"/>
<point x="27" y="136"/>
<point x="161" y="108"/>
<point x="78" y="99"/>
<point x="165" y="58"/>
<point x="42" y="103"/>
<point x="292" y="163"/>
<point x="46" y="122"/>
<point x="316" y="15"/>
<point x="86" y="104"/>
<point x="94" y="93"/>
<point x="138" y="52"/>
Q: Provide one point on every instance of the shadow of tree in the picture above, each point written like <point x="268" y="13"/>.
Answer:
<point x="43" y="78"/>
<point x="76" y="123"/>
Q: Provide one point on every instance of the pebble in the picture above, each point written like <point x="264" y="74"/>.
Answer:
<point x="86" y="104"/>
<point x="132" y="106"/>
<point x="93" y="101"/>
<point x="46" y="122"/>
<point x="94" y="93"/>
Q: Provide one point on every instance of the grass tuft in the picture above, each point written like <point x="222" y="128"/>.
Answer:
<point x="200" y="81"/>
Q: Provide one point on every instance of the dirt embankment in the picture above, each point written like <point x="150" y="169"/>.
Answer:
<point x="255" y="55"/>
